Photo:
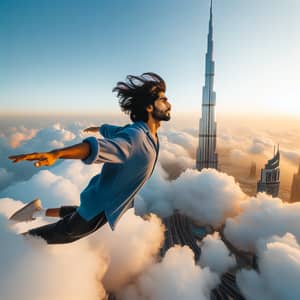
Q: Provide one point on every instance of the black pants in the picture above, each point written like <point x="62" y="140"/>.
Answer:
<point x="69" y="228"/>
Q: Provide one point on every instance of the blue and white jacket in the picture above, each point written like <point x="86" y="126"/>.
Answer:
<point x="129" y="155"/>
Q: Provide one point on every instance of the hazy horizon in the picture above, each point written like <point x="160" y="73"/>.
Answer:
<point x="241" y="140"/>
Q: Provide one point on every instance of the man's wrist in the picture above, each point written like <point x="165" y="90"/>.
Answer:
<point x="55" y="153"/>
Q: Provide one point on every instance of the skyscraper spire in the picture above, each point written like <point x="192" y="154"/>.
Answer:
<point x="210" y="17"/>
<point x="206" y="153"/>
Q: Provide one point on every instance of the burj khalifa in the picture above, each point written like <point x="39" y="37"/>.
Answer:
<point x="206" y="152"/>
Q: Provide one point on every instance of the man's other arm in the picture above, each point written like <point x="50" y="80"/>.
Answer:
<point x="78" y="151"/>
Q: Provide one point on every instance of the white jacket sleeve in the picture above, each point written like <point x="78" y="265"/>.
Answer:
<point x="110" y="131"/>
<point x="109" y="150"/>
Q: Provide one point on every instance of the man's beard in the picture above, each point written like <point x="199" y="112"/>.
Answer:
<point x="161" y="115"/>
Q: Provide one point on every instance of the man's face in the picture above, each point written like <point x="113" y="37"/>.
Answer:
<point x="162" y="108"/>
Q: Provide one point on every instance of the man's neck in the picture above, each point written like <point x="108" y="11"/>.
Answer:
<point x="153" y="126"/>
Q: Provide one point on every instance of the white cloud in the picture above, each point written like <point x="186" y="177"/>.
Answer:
<point x="175" y="277"/>
<point x="21" y="140"/>
<point x="44" y="139"/>
<point x="187" y="141"/>
<point x="19" y="135"/>
<point x="215" y="254"/>
<point x="130" y="249"/>
<point x="61" y="185"/>
<point x="76" y="172"/>
<point x="52" y="189"/>
<point x="106" y="260"/>
<point x="261" y="144"/>
<point x="208" y="196"/>
<point x="32" y="270"/>
<point x="279" y="271"/>
<point x="262" y="217"/>
<point x="177" y="153"/>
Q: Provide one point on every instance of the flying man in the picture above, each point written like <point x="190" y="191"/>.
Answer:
<point x="128" y="154"/>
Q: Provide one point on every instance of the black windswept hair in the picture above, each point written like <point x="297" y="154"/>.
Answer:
<point x="137" y="93"/>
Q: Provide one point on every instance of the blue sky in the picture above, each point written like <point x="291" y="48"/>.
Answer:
<point x="66" y="55"/>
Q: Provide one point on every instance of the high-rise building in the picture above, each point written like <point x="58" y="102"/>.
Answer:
<point x="206" y="152"/>
<point x="270" y="176"/>
<point x="252" y="173"/>
<point x="295" y="190"/>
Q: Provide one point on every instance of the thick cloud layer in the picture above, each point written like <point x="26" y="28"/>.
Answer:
<point x="177" y="151"/>
<point x="130" y="249"/>
<point x="238" y="146"/>
<point x="133" y="248"/>
<point x="52" y="189"/>
<point x="208" y="196"/>
<point x="262" y="217"/>
<point x="175" y="277"/>
<point x="31" y="269"/>
<point x="59" y="185"/>
<point x="279" y="271"/>
<point x="24" y="140"/>
<point x="18" y="136"/>
<point x="260" y="144"/>
<point x="215" y="254"/>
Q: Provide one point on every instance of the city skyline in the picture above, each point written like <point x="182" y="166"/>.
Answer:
<point x="66" y="59"/>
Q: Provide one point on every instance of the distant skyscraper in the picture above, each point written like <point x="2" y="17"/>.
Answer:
<point x="269" y="177"/>
<point x="252" y="173"/>
<point x="295" y="190"/>
<point x="206" y="152"/>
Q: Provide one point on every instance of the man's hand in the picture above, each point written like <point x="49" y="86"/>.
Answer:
<point x="42" y="158"/>
<point x="92" y="129"/>
<point x="79" y="151"/>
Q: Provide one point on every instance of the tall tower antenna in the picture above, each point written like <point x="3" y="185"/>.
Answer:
<point x="206" y="152"/>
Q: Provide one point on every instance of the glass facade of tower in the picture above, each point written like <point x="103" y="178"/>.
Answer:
<point x="295" y="190"/>
<point x="206" y="152"/>
<point x="270" y="177"/>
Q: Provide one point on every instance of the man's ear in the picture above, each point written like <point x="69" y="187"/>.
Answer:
<point x="149" y="108"/>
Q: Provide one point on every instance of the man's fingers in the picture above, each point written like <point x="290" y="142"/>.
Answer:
<point x="41" y="163"/>
<point x="30" y="157"/>
<point x="42" y="160"/>
<point x="17" y="158"/>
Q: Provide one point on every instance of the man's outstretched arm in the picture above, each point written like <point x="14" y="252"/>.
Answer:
<point x="93" y="129"/>
<point x="78" y="151"/>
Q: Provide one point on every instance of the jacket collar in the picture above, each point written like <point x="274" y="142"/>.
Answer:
<point x="143" y="125"/>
